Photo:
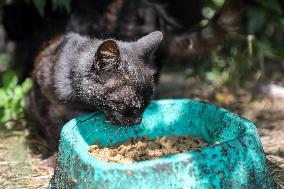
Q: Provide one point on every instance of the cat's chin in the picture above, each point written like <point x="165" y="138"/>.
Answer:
<point x="120" y="119"/>
<point x="127" y="122"/>
<point x="134" y="121"/>
<point x="123" y="121"/>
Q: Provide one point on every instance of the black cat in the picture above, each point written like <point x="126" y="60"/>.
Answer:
<point x="109" y="83"/>
<point x="76" y="74"/>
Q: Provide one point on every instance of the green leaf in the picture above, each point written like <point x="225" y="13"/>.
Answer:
<point x="218" y="3"/>
<point x="62" y="4"/>
<point x="6" y="115"/>
<point x="27" y="84"/>
<point x="12" y="97"/>
<point x="214" y="76"/>
<point x="3" y="97"/>
<point x="40" y="5"/>
<point x="9" y="79"/>
<point x="19" y="93"/>
<point x="208" y="12"/>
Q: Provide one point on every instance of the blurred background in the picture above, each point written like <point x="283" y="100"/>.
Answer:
<point x="242" y="71"/>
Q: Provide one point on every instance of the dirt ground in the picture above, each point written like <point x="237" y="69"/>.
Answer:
<point x="19" y="167"/>
<point x="24" y="162"/>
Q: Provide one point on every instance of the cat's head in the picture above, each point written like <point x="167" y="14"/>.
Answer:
<point x="121" y="79"/>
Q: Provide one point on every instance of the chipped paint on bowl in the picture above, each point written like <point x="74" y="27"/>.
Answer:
<point x="237" y="162"/>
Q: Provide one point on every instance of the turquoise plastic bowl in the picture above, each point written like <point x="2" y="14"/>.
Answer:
<point x="237" y="162"/>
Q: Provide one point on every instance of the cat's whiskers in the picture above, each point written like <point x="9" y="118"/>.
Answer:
<point x="109" y="139"/>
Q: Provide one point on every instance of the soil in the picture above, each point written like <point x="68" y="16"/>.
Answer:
<point x="144" y="148"/>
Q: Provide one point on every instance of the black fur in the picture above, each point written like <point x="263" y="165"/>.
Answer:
<point x="77" y="74"/>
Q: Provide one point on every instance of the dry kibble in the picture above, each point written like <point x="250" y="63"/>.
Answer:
<point x="163" y="139"/>
<point x="127" y="160"/>
<point x="122" y="151"/>
<point x="113" y="153"/>
<point x="146" y="138"/>
<point x="144" y="148"/>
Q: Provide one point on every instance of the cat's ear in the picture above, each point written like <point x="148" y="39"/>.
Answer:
<point x="148" y="44"/>
<point x="107" y="56"/>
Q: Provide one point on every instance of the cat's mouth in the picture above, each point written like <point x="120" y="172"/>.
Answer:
<point x="121" y="119"/>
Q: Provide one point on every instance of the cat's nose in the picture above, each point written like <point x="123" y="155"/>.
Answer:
<point x="133" y="118"/>
<point x="137" y="120"/>
<point x="134" y="121"/>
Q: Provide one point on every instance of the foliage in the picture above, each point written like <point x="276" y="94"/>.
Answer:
<point x="12" y="97"/>
<point x="4" y="60"/>
<point x="239" y="59"/>
<point x="12" y="94"/>
<point x="245" y="56"/>
<point x="56" y="5"/>
<point x="234" y="62"/>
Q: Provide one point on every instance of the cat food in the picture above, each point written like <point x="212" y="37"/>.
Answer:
<point x="144" y="148"/>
